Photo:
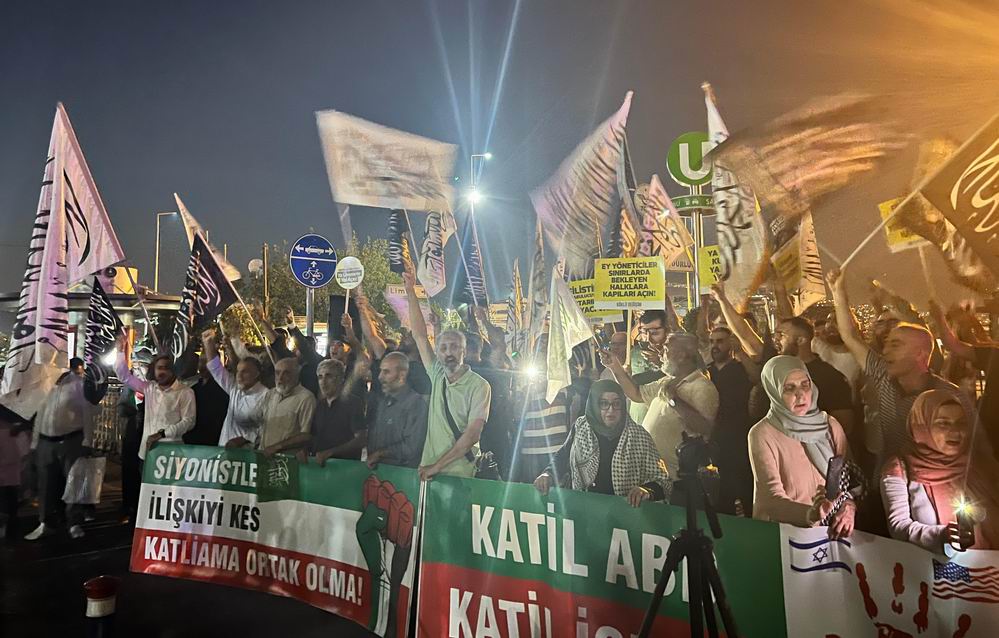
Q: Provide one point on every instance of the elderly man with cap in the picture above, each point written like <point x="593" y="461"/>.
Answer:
<point x="63" y="426"/>
<point x="684" y="400"/>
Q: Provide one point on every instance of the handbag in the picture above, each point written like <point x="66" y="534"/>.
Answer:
<point x="485" y="465"/>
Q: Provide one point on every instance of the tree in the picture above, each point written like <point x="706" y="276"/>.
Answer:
<point x="285" y="291"/>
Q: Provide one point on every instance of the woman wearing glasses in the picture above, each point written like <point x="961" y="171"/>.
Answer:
<point x="608" y="453"/>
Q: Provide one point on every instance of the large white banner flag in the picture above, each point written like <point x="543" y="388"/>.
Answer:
<point x="568" y="328"/>
<point x="373" y="165"/>
<point x="192" y="228"/>
<point x="663" y="232"/>
<point x="431" y="271"/>
<point x="71" y="239"/>
<point x="741" y="239"/>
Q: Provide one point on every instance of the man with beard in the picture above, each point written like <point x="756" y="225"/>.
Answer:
<point x="459" y="398"/>
<point x="338" y="427"/>
<point x="897" y="375"/>
<point x="288" y="411"/>
<point x="683" y="400"/>
<point x="170" y="408"/>
<point x="828" y="344"/>
<point x="732" y="424"/>
<point x="794" y="337"/>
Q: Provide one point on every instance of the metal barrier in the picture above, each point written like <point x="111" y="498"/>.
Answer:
<point x="108" y="431"/>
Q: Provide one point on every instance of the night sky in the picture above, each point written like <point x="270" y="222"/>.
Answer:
<point x="216" y="100"/>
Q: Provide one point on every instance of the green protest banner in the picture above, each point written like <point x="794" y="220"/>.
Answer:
<point x="341" y="540"/>
<point x="499" y="559"/>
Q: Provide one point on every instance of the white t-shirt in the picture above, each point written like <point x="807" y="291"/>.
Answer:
<point x="665" y="424"/>
<point x="842" y="361"/>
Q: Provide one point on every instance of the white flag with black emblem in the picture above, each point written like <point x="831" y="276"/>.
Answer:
<point x="373" y="165"/>
<point x="71" y="239"/>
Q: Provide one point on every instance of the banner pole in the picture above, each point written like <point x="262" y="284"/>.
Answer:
<point x="145" y="311"/>
<point x="877" y="229"/>
<point x="926" y="273"/>
<point x="627" y="348"/>
<point x="256" y="328"/>
<point x="412" y="238"/>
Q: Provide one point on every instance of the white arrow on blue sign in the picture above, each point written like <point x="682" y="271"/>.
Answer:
<point x="313" y="260"/>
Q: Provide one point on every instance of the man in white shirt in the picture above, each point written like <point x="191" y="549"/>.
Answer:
<point x="63" y="424"/>
<point x="247" y="396"/>
<point x="684" y="400"/>
<point x="288" y="411"/>
<point x="170" y="407"/>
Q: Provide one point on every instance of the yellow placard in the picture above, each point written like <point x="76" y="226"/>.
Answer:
<point x="709" y="266"/>
<point x="899" y="238"/>
<point x="787" y="263"/>
<point x="583" y="291"/>
<point x="630" y="283"/>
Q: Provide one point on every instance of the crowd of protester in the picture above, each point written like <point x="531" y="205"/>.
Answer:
<point x="907" y="415"/>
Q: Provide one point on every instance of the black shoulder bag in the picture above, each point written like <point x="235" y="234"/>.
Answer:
<point x="485" y="465"/>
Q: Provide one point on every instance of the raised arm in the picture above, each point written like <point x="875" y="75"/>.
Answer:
<point x="222" y="376"/>
<point x="122" y="370"/>
<point x="751" y="342"/>
<point x="631" y="389"/>
<point x="848" y="329"/>
<point x="417" y="323"/>
<point x="942" y="329"/>
<point x="368" y="328"/>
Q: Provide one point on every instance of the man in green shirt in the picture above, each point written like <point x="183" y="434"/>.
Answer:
<point x="451" y="443"/>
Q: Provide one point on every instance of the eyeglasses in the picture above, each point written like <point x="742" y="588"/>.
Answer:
<point x="610" y="405"/>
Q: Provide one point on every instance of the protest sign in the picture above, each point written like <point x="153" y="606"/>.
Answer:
<point x="632" y="283"/>
<point x="583" y="292"/>
<point x="871" y="585"/>
<point x="502" y="556"/>
<point x="899" y="237"/>
<point x="709" y="266"/>
<point x="499" y="560"/>
<point x="342" y="541"/>
<point x="349" y="273"/>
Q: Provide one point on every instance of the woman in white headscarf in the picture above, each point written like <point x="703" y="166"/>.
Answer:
<point x="790" y="450"/>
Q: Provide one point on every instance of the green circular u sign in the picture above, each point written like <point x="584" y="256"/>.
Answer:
<point x="685" y="159"/>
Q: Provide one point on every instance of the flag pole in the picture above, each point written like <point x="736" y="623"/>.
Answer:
<point x="926" y="272"/>
<point x="145" y="311"/>
<point x="929" y="178"/>
<point x="256" y="328"/>
<point x="412" y="238"/>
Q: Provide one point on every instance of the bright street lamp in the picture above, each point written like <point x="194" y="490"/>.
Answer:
<point x="473" y="196"/>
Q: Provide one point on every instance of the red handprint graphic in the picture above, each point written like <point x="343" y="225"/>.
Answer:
<point x="920" y="619"/>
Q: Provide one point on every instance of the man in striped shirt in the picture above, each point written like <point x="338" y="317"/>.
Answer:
<point x="543" y="429"/>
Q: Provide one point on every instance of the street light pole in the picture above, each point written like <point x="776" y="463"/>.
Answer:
<point x="156" y="266"/>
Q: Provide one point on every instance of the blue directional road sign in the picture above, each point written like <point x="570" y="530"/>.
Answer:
<point x="313" y="260"/>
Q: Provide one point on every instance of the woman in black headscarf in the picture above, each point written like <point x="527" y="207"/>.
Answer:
<point x="608" y="453"/>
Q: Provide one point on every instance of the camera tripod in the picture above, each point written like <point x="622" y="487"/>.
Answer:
<point x="703" y="582"/>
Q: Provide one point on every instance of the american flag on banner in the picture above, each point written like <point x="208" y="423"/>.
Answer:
<point x="973" y="584"/>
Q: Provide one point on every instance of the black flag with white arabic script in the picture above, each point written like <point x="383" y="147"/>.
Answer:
<point x="400" y="259"/>
<point x="966" y="191"/>
<point x="207" y="292"/>
<point x="471" y="284"/>
<point x="103" y="328"/>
